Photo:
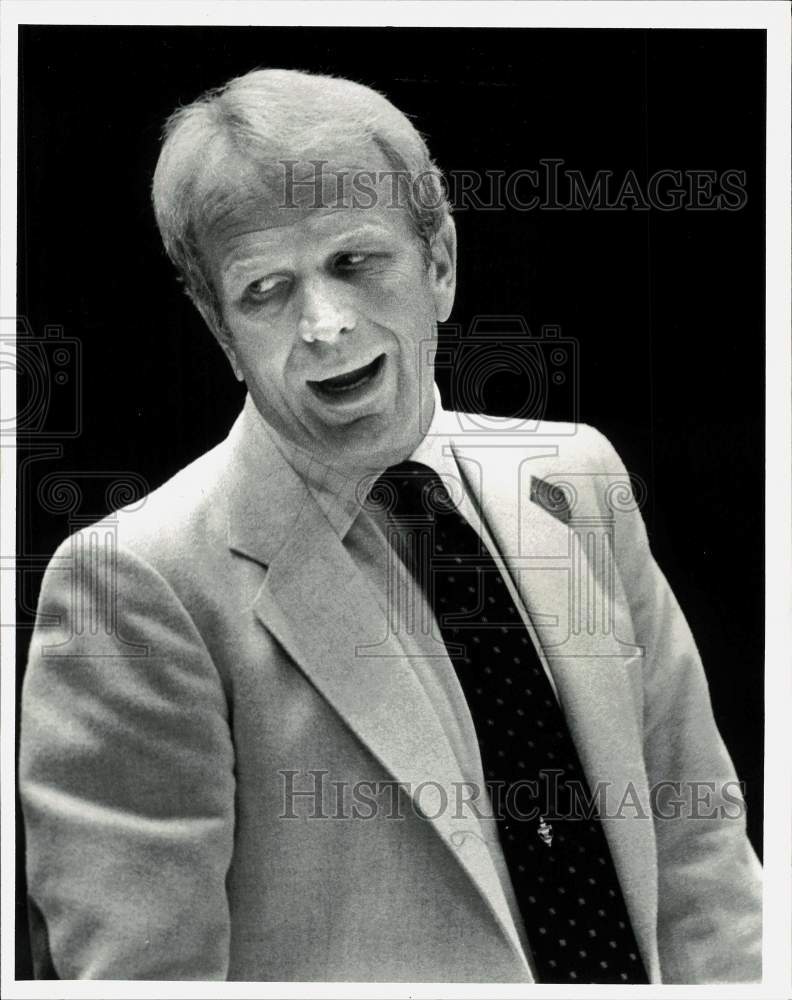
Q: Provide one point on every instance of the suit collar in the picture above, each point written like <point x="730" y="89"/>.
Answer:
<point x="264" y="493"/>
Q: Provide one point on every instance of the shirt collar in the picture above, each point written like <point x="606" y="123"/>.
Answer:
<point x="435" y="449"/>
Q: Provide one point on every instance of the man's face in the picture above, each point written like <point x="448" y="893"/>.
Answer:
<point x="329" y="313"/>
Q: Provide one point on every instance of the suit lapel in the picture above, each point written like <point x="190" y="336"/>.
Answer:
<point x="317" y="604"/>
<point x="554" y="574"/>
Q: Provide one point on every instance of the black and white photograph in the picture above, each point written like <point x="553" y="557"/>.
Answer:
<point x="396" y="497"/>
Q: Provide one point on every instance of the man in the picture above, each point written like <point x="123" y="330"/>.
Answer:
<point x="266" y="735"/>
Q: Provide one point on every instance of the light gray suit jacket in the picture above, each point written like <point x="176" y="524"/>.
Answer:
<point x="198" y="648"/>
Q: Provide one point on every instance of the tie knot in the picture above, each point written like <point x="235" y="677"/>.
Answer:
<point x="409" y="489"/>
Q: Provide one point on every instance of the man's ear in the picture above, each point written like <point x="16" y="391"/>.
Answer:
<point x="222" y="336"/>
<point x="443" y="269"/>
<point x="229" y="352"/>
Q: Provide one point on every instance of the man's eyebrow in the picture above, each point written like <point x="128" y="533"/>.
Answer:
<point x="242" y="265"/>
<point x="360" y="231"/>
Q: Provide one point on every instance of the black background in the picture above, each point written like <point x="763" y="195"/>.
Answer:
<point x="667" y="308"/>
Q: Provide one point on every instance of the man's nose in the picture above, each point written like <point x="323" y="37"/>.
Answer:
<point x="325" y="314"/>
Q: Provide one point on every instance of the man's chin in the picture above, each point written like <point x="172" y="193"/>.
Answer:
<point x="369" y="443"/>
<point x="374" y="438"/>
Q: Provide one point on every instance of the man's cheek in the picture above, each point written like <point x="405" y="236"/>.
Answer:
<point x="388" y="290"/>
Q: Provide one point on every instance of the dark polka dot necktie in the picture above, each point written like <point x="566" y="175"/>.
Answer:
<point x="550" y="832"/>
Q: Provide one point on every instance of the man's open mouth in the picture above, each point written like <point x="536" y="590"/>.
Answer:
<point x="342" y="385"/>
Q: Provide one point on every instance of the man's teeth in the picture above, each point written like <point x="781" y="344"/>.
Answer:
<point x="350" y="380"/>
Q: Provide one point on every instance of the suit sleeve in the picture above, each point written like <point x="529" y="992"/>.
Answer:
<point x="126" y="776"/>
<point x="709" y="891"/>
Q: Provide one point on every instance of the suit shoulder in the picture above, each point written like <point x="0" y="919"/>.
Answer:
<point x="568" y="443"/>
<point x="590" y="446"/>
<point x="178" y="516"/>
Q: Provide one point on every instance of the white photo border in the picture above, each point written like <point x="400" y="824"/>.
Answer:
<point x="771" y="17"/>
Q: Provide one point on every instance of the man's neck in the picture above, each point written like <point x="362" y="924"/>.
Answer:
<point x="341" y="488"/>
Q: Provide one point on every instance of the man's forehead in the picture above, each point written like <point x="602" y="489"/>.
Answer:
<point x="354" y="177"/>
<point x="241" y="198"/>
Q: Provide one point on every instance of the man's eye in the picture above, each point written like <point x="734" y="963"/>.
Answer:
<point x="348" y="261"/>
<point x="263" y="289"/>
